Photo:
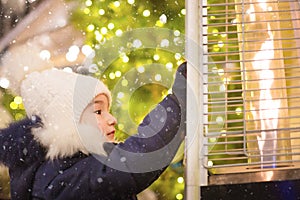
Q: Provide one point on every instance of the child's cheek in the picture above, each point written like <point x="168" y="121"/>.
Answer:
<point x="100" y="123"/>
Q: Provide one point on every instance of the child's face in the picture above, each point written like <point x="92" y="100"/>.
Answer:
<point x="97" y="114"/>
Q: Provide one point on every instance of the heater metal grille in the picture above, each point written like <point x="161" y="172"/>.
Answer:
<point x="252" y="85"/>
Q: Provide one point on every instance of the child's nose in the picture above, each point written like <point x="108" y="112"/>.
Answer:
<point x="112" y="120"/>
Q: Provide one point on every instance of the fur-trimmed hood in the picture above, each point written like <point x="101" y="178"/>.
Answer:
<point x="59" y="98"/>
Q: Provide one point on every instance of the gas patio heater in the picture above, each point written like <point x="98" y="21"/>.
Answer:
<point x="248" y="91"/>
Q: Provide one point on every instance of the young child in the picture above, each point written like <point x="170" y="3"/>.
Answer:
<point x="65" y="150"/>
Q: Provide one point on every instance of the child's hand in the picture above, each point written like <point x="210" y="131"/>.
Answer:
<point x="182" y="69"/>
<point x="180" y="85"/>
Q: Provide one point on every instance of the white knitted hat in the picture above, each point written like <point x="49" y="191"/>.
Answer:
<point x="59" y="98"/>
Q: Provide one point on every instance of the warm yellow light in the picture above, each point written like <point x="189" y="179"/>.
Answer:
<point x="110" y="26"/>
<point x="124" y="82"/>
<point x="221" y="72"/>
<point x="220" y="44"/>
<point x="238" y="111"/>
<point x="117" y="3"/>
<point x="157" y="77"/>
<point x="86" y="11"/>
<point x="90" y="27"/>
<point x="183" y="11"/>
<point x="21" y="106"/>
<point x="180" y="179"/>
<point x="101" y="11"/>
<point x="177" y="56"/>
<point x="125" y="59"/>
<point x="177" y="33"/>
<point x="216" y="48"/>
<point x="18" y="116"/>
<point x="112" y="75"/>
<point x="220" y="120"/>
<point x="99" y="36"/>
<point x="223" y="133"/>
<point x="214" y="70"/>
<point x="156" y="57"/>
<point x="146" y="13"/>
<point x="234" y="21"/>
<point x="169" y="66"/>
<point x="141" y="69"/>
<point x="179" y="196"/>
<point x="18" y="100"/>
<point x="88" y="2"/>
<point x="159" y="23"/>
<point x="119" y="32"/>
<point x="215" y="32"/>
<point x="130" y="1"/>
<point x="118" y="73"/>
<point x="103" y="30"/>
<point x="13" y="105"/>
<point x="179" y="62"/>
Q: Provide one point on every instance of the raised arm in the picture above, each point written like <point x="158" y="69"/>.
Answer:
<point x="160" y="133"/>
<point x="17" y="143"/>
<point x="142" y="158"/>
<point x="133" y="165"/>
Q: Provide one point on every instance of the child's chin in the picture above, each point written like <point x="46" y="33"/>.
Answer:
<point x="111" y="138"/>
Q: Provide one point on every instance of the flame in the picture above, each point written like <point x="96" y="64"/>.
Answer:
<point x="251" y="13"/>
<point x="267" y="109"/>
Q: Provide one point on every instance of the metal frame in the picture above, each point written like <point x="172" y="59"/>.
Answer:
<point x="198" y="53"/>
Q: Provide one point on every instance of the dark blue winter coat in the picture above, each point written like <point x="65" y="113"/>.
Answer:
<point x="129" y="168"/>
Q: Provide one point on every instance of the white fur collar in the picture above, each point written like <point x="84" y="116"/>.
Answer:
<point x="60" y="142"/>
<point x="67" y="142"/>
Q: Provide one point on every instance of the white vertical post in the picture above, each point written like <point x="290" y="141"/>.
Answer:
<point x="195" y="174"/>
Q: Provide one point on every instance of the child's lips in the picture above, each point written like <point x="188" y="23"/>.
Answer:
<point x="111" y="136"/>
<point x="111" y="133"/>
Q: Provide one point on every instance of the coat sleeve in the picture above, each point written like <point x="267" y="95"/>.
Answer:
<point x="17" y="145"/>
<point x="135" y="164"/>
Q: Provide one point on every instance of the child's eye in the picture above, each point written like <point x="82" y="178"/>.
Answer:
<point x="98" y="112"/>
